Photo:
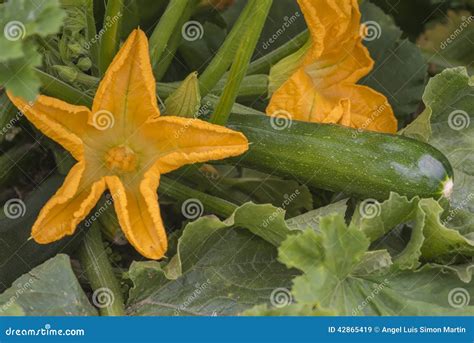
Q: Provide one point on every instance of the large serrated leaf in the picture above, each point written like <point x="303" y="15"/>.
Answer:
<point x="50" y="289"/>
<point x="218" y="268"/>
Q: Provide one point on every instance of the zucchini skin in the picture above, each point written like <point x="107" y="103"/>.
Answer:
<point x="359" y="163"/>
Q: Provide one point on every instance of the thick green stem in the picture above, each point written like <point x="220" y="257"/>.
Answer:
<point x="181" y="193"/>
<point x="241" y="61"/>
<point x="107" y="295"/>
<point x="174" y="41"/>
<point x="91" y="36"/>
<point x="264" y="63"/>
<point x="110" y="39"/>
<point x="165" y="28"/>
<point x="224" y="57"/>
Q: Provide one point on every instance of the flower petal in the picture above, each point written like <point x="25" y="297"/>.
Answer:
<point x="346" y="104"/>
<point x="139" y="215"/>
<point x="60" y="121"/>
<point x="369" y="109"/>
<point x="128" y="89"/>
<point x="177" y="141"/>
<point x="68" y="207"/>
<point x="323" y="89"/>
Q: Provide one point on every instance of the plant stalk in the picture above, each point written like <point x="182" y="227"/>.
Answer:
<point x="110" y="40"/>
<point x="241" y="61"/>
<point x="107" y="294"/>
<point x="181" y="193"/>
<point x="163" y="31"/>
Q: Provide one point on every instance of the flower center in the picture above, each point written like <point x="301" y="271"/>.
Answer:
<point x="121" y="159"/>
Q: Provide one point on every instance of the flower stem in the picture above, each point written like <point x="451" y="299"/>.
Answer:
<point x="90" y="35"/>
<point x="165" y="28"/>
<point x="181" y="193"/>
<point x="264" y="63"/>
<point x="174" y="41"/>
<point x="223" y="58"/>
<point x="110" y="40"/>
<point x="97" y="267"/>
<point x="241" y="61"/>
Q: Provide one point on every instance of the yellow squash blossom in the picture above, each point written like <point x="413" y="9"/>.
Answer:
<point x="323" y="88"/>
<point x="124" y="145"/>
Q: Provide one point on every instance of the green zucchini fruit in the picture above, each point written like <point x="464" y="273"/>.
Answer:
<point x="359" y="163"/>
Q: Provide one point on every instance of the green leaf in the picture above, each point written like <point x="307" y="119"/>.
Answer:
<point x="218" y="269"/>
<point x="289" y="310"/>
<point x="333" y="278"/>
<point x="311" y="219"/>
<point x="18" y="51"/>
<point x="448" y="98"/>
<point x="18" y="253"/>
<point x="429" y="238"/>
<point x="399" y="71"/>
<point x="50" y="289"/>
<point x="265" y="221"/>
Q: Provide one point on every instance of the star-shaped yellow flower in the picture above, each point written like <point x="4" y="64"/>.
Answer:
<point x="124" y="145"/>
<point x="323" y="88"/>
